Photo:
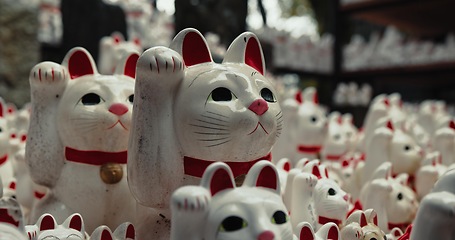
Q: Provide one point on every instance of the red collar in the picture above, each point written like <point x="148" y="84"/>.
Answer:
<point x="38" y="195"/>
<point x="97" y="158"/>
<point x="323" y="220"/>
<point x="3" y="159"/>
<point x="333" y="157"/>
<point x="196" y="167"/>
<point x="401" y="226"/>
<point x="6" y="218"/>
<point x="308" y="149"/>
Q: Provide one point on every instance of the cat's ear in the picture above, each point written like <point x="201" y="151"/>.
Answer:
<point x="125" y="231"/>
<point x="46" y="222"/>
<point x="363" y="220"/>
<point x="217" y="177"/>
<point x="79" y="63"/>
<point x="263" y="174"/>
<point x="102" y="233"/>
<point x="372" y="216"/>
<point x="305" y="231"/>
<point x="75" y="222"/>
<point x="117" y="37"/>
<point x="329" y="231"/>
<point x="3" y="108"/>
<point x="246" y="49"/>
<point x="384" y="171"/>
<point x="310" y="94"/>
<point x="127" y="64"/>
<point x="191" y="45"/>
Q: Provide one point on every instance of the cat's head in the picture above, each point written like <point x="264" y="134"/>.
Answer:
<point x="221" y="107"/>
<point x="48" y="229"/>
<point x="253" y="211"/>
<point x="112" y="48"/>
<point x="336" y="141"/>
<point x="4" y="129"/>
<point x="402" y="202"/>
<point x="95" y="110"/>
<point x="405" y="154"/>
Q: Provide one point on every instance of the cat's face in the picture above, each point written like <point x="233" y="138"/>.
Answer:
<point x="311" y="124"/>
<point x="405" y="154"/>
<point x="226" y="107"/>
<point x="330" y="200"/>
<point x="256" y="214"/>
<point x="402" y="203"/>
<point x="95" y="113"/>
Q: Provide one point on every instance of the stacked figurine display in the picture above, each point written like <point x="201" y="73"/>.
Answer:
<point x="172" y="145"/>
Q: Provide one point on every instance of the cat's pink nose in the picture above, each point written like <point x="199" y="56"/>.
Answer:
<point x="118" y="109"/>
<point x="266" y="235"/>
<point x="346" y="197"/>
<point x="259" y="106"/>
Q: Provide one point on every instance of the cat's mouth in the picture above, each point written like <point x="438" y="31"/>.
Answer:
<point x="256" y="128"/>
<point x="118" y="122"/>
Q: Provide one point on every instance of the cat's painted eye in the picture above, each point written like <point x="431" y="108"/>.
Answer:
<point x="267" y="95"/>
<point x="1" y="130"/>
<point x="373" y="239"/>
<point x="91" y="99"/>
<point x="221" y="94"/>
<point x="400" y="196"/>
<point x="232" y="223"/>
<point x="332" y="192"/>
<point x="279" y="217"/>
<point x="407" y="147"/>
<point x="337" y="137"/>
<point x="131" y="98"/>
<point x="313" y="119"/>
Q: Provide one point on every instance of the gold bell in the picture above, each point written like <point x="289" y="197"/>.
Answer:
<point x="111" y="173"/>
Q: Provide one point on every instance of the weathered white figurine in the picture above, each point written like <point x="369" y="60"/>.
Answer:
<point x="190" y="112"/>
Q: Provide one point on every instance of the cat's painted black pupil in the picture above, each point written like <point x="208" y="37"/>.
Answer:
<point x="131" y="98"/>
<point x="407" y="148"/>
<point x="1" y="130"/>
<point x="221" y="94"/>
<point x="267" y="95"/>
<point x="385" y="238"/>
<point x="332" y="192"/>
<point x="337" y="137"/>
<point x="91" y="99"/>
<point x="400" y="196"/>
<point x="279" y="217"/>
<point x="372" y="238"/>
<point x="314" y="119"/>
<point x="232" y="223"/>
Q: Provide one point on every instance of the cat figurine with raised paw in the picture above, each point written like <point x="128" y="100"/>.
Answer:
<point x="78" y="139"/>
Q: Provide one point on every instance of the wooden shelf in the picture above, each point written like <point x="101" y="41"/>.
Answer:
<point x="424" y="18"/>
<point x="443" y="67"/>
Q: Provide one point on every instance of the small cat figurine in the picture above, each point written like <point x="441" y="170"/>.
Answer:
<point x="125" y="231"/>
<point x="335" y="143"/>
<point x="328" y="231"/>
<point x="112" y="48"/>
<point x="190" y="112"/>
<point x="6" y="167"/>
<point x="217" y="209"/>
<point x="47" y="228"/>
<point x="78" y="138"/>
<point x="362" y="225"/>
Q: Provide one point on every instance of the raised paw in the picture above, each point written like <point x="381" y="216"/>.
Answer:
<point x="308" y="180"/>
<point x="160" y="63"/>
<point x="191" y="199"/>
<point x="49" y="76"/>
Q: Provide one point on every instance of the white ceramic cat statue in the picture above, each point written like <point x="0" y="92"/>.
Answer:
<point x="304" y="127"/>
<point x="444" y="142"/>
<point x="217" y="209"/>
<point x="78" y="139"/>
<point x="6" y="167"/>
<point x="427" y="175"/>
<point x="192" y="112"/>
<point x="47" y="228"/>
<point x="362" y="225"/>
<point x="435" y="218"/>
<point x="125" y="231"/>
<point x="112" y="48"/>
<point x="326" y="232"/>
<point x="336" y="143"/>
<point x="11" y="221"/>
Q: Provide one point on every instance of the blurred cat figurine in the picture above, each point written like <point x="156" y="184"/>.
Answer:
<point x="47" y="228"/>
<point x="125" y="231"/>
<point x="6" y="167"/>
<point x="217" y="209"/>
<point x="192" y="112"/>
<point x="78" y="138"/>
<point x="112" y="48"/>
<point x="326" y="232"/>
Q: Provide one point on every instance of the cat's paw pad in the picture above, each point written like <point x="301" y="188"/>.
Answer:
<point x="191" y="198"/>
<point x="163" y="61"/>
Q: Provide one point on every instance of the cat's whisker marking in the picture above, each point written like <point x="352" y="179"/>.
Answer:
<point x="216" y="124"/>
<point x="214" y="145"/>
<point x="218" y="114"/>
<point x="213" y="128"/>
<point x="278" y="114"/>
<point x="213" y="118"/>
<point x="211" y="140"/>
<point x="211" y="133"/>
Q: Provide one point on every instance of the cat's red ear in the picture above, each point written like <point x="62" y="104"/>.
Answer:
<point x="263" y="174"/>
<point x="75" y="222"/>
<point x="191" y="45"/>
<point x="310" y="94"/>
<point x="102" y="233"/>
<point x="363" y="220"/>
<point x="127" y="64"/>
<point x="247" y="49"/>
<point x="79" y="63"/>
<point x="125" y="231"/>
<point x="46" y="222"/>
<point x="306" y="231"/>
<point x="217" y="177"/>
<point x="3" y="108"/>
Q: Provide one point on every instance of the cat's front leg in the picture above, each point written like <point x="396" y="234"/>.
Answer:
<point x="189" y="207"/>
<point x="302" y="205"/>
<point x="44" y="150"/>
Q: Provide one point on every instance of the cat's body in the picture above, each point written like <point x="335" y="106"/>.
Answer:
<point x="194" y="112"/>
<point x="78" y="139"/>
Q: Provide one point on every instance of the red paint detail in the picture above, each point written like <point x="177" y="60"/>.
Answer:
<point x="401" y="226"/>
<point x="315" y="98"/>
<point x="345" y="163"/>
<point x="287" y="167"/>
<point x="137" y="41"/>
<point x="357" y="206"/>
<point x="76" y="223"/>
<point x="106" y="235"/>
<point x="452" y="124"/>
<point x="96" y="158"/>
<point x="308" y="149"/>
<point x="130" y="232"/>
<point x="12" y="185"/>
<point x="407" y="233"/>
<point x="375" y="220"/>
<point x="130" y="66"/>
<point x="257" y="125"/>
<point x="363" y="220"/>
<point x="259" y="106"/>
<point x="13" y="135"/>
<point x="117" y="39"/>
<point x="298" y="97"/>
<point x="266" y="235"/>
<point x="3" y="159"/>
<point x="79" y="65"/>
<point x="194" y="50"/>
<point x="340" y="120"/>
<point x="10" y="109"/>
<point x="334" y="157"/>
<point x="196" y="167"/>
<point x="306" y="234"/>
<point x="6" y="218"/>
<point x="1" y="109"/>
<point x="267" y="178"/>
<point x="23" y="138"/>
<point x="52" y="73"/>
<point x="118" y="109"/>
<point x="38" y="195"/>
<point x="323" y="220"/>
<point x="333" y="233"/>
<point x="220" y="181"/>
<point x="389" y="125"/>
<point x="50" y="8"/>
<point x="400" y="104"/>
<point x="47" y="223"/>
<point x="326" y="172"/>
<point x="316" y="172"/>
<point x="346" y="197"/>
<point x="387" y="102"/>
<point x="253" y="57"/>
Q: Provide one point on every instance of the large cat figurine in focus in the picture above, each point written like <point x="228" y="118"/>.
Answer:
<point x="190" y="112"/>
<point x="78" y="138"/>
